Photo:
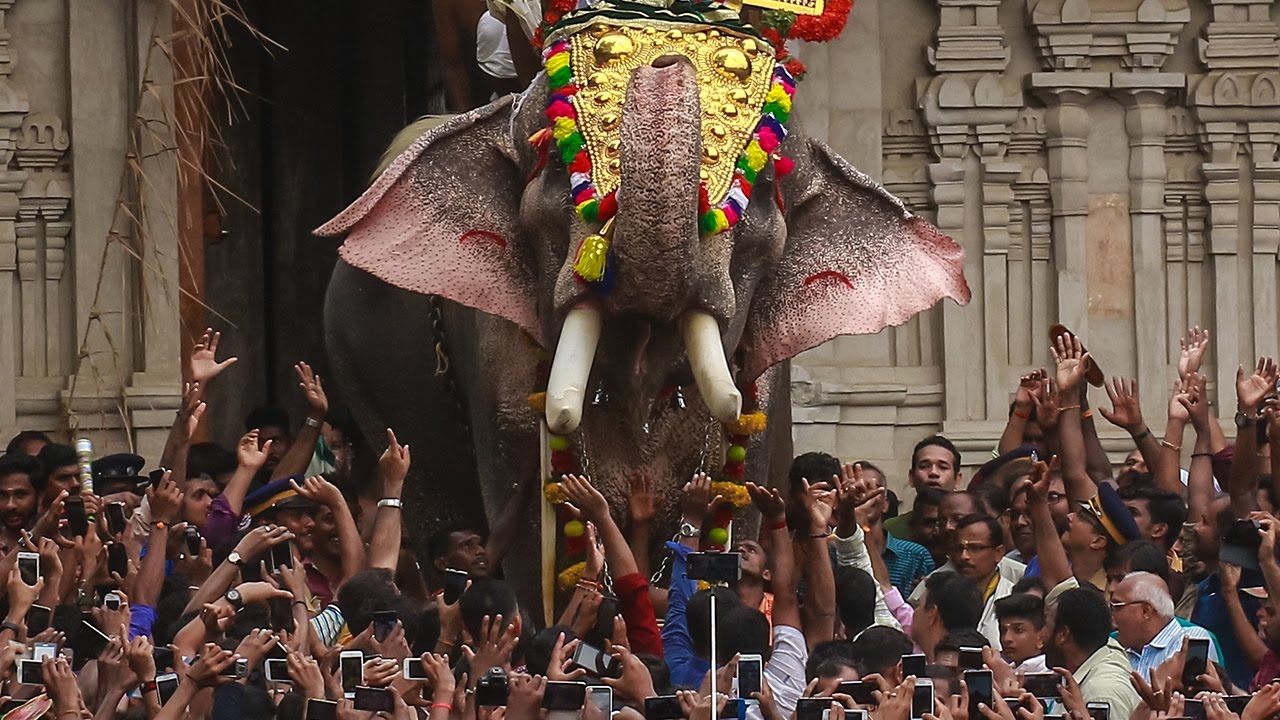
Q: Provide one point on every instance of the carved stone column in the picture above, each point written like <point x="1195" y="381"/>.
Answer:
<point x="13" y="105"/>
<point x="1266" y="230"/>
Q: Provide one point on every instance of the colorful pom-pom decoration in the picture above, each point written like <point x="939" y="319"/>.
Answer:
<point x="574" y="529"/>
<point x="570" y="576"/>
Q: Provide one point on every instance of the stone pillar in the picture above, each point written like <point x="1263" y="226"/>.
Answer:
<point x="13" y="105"/>
<point x="1066" y="97"/>
<point x="1263" y="137"/>
<point x="1146" y="119"/>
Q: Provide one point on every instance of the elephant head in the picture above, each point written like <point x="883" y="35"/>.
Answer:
<point x="474" y="212"/>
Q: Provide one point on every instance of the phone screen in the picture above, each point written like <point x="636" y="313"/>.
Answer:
<point x="193" y="541"/>
<point x="663" y="707"/>
<point x="913" y="665"/>
<point x="352" y="668"/>
<point x="1042" y="685"/>
<point x="600" y="697"/>
<point x="1102" y="710"/>
<point x="38" y="619"/>
<point x="117" y="559"/>
<point x="30" y="672"/>
<point x="115" y="518"/>
<point x="77" y="521"/>
<point x="91" y="641"/>
<point x="812" y="708"/>
<point x="166" y="686"/>
<point x="321" y="709"/>
<point x="29" y="567"/>
<point x="281" y="557"/>
<point x="922" y="699"/>
<point x="561" y="695"/>
<point x="1193" y="709"/>
<point x="980" y="691"/>
<point x="384" y="621"/>
<point x="1197" y="663"/>
<point x="971" y="658"/>
<point x="749" y="670"/>
<point x="277" y="670"/>
<point x="413" y="669"/>
<point x="861" y="691"/>
<point x="455" y="581"/>
<point x="604" y="617"/>
<point x="374" y="699"/>
<point x="714" y="567"/>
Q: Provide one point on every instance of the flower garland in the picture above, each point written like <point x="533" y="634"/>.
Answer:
<point x="729" y="485"/>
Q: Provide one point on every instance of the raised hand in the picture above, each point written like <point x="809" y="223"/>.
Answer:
<point x="819" y="502"/>
<point x="1265" y="704"/>
<point x="636" y="683"/>
<point x="585" y="498"/>
<point x="320" y="491"/>
<point x="203" y="365"/>
<point x="165" y="499"/>
<point x="1047" y="401"/>
<point x="1071" y="360"/>
<point x="1194" y="398"/>
<point x="1126" y="411"/>
<point x="767" y="500"/>
<point x="305" y="671"/>
<point x="1029" y="386"/>
<point x="394" y="463"/>
<point x="696" y="502"/>
<point x="643" y="506"/>
<point x="595" y="552"/>
<point x="207" y="670"/>
<point x="261" y="539"/>
<point x="192" y="410"/>
<point x="248" y="454"/>
<point x="1252" y="389"/>
<point x="1194" y="345"/>
<point x="312" y="389"/>
<point x="494" y="646"/>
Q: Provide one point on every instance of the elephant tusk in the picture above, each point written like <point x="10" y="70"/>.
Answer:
<point x="701" y="335"/>
<point x="571" y="368"/>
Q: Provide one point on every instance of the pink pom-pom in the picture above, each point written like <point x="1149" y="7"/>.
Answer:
<point x="782" y="166"/>
<point x="768" y="141"/>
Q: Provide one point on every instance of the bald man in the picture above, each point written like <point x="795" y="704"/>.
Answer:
<point x="1142" y="610"/>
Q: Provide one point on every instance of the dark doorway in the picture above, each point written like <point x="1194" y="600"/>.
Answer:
<point x="314" y="118"/>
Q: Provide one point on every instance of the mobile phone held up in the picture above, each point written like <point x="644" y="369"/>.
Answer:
<point x="1197" y="662"/>
<point x="750" y="670"/>
<point x="455" y="581"/>
<point x="922" y="698"/>
<point x="714" y="567"/>
<point x="351" y="671"/>
<point x="981" y="691"/>
<point x="29" y="567"/>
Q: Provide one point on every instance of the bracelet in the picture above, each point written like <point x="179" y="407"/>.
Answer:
<point x="1146" y="432"/>
<point x="1087" y="413"/>
<point x="446" y="706"/>
<point x="446" y="643"/>
<point x="1171" y="446"/>
<point x="391" y="503"/>
<point x="585" y="584"/>
<point x="160" y="524"/>
<point x="146" y="687"/>
<point x="1065" y="408"/>
<point x="17" y="631"/>
<point x="311" y="422"/>
<point x="780" y="525"/>
<point x="1201" y="454"/>
<point x="1022" y="415"/>
<point x="815" y="536"/>
<point x="303" y="603"/>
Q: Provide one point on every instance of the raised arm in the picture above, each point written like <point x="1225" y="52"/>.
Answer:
<point x="1023" y="406"/>
<point x="1251" y="391"/>
<point x="393" y="467"/>
<point x="323" y="492"/>
<point x="1200" y="490"/>
<point x="1166" y="473"/>
<point x="1072" y="362"/>
<point x="296" y="460"/>
<point x="819" y="611"/>
<point x="1054" y="566"/>
<point x="782" y="563"/>
<point x="249" y="460"/>
<point x="185" y="422"/>
<point x="1126" y="414"/>
<point x="166" y="503"/>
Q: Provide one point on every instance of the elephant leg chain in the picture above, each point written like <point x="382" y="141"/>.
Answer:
<point x="665" y="565"/>
<point x="443" y="370"/>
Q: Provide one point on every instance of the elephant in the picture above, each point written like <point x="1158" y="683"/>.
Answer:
<point x="456" y="281"/>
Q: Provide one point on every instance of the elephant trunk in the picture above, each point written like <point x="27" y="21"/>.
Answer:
<point x="656" y="231"/>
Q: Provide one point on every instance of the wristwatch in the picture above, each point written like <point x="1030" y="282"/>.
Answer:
<point x="233" y="597"/>
<point x="1244" y="421"/>
<point x="235" y="559"/>
<point x="688" y="530"/>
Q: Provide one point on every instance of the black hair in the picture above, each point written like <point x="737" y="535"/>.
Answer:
<point x="1140" y="556"/>
<point x="538" y="657"/>
<point x="855" y="598"/>
<point x="828" y="658"/>
<point x="812" y="466"/>
<point x="52" y="457"/>
<point x="211" y="459"/>
<point x="956" y="597"/>
<point x="1165" y="507"/>
<point x="363" y="594"/>
<point x="698" y="615"/>
<point x="892" y="497"/>
<point x="292" y="706"/>
<point x="659" y="673"/>
<point x="927" y="496"/>
<point x="992" y="497"/>
<point x="963" y="638"/>
<point x="268" y="416"/>
<point x="742" y="630"/>
<point x="1084" y="613"/>
<point x="440" y="541"/>
<point x="1030" y="583"/>
<point x="973" y="498"/>
<point x="428" y="631"/>
<point x="23" y="438"/>
<point x="940" y="442"/>
<point x="995" y="533"/>
<point x="19" y="464"/>
<point x="487" y="596"/>
<point x="1021" y="606"/>
<point x="879" y="648"/>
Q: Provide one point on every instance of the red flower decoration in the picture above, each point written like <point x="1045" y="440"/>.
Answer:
<point x="820" y="28"/>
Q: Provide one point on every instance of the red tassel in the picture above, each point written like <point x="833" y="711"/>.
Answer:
<point x="541" y="142"/>
<point x="704" y="201"/>
<point x="580" y="163"/>
<point x="782" y="166"/>
<point x="723" y="515"/>
<point x="739" y="472"/>
<point x="575" y="546"/>
<point x="608" y="206"/>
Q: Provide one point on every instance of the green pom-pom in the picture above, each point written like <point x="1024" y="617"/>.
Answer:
<point x="560" y="77"/>
<point x="742" y="163"/>
<point x="558" y="443"/>
<point x="574" y="529"/>
<point x="591" y="211"/>
<point x="736" y="453"/>
<point x="570" y="146"/>
<point x="718" y="536"/>
<point x="707" y="223"/>
<point x="749" y="175"/>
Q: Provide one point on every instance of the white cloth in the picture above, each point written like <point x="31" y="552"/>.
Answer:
<point x="493" y="53"/>
<point x="1034" y="664"/>
<point x="784" y="671"/>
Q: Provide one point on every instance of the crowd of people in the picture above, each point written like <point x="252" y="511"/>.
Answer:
<point x="258" y="583"/>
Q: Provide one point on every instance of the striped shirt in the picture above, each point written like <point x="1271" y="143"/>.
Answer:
<point x="1165" y="645"/>
<point x="907" y="563"/>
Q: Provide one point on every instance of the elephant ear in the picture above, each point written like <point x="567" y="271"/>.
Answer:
<point x="855" y="262"/>
<point x="442" y="218"/>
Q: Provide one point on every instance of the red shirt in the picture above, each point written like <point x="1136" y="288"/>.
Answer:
<point x="633" y="602"/>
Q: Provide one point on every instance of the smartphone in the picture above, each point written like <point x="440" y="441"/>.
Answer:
<point x="663" y="707"/>
<point x="750" y="668"/>
<point x="971" y="659"/>
<point x="280" y="556"/>
<point x="166" y="686"/>
<point x="1236" y="703"/>
<point x="922" y="698"/>
<point x="813" y="708"/>
<point x="980" y="690"/>
<point x="236" y="670"/>
<point x="596" y="662"/>
<point x="163" y="657"/>
<point x="1193" y="709"/>
<point x="600" y="697"/>
<point x="91" y="641"/>
<point x="111" y="601"/>
<point x="320" y="709"/>
<point x="38" y="618"/>
<point x="374" y="699"/>
<point x="192" y="537"/>
<point x="117" y="559"/>
<point x="564" y="695"/>
<point x="1100" y="710"/>
<point x="714" y="567"/>
<point x="115" y="518"/>
<point x="384" y="621"/>
<point x="276" y="670"/>
<point x="604" y="617"/>
<point x="856" y="714"/>
<point x="29" y="567"/>
<point x="455" y="581"/>
<point x="1043" y="684"/>
<point x="1197" y="663"/>
<point x="913" y="665"/>
<point x="30" y="672"/>
<point x="861" y="691"/>
<point x="77" y="521"/>
<point x="735" y="708"/>
<point x="413" y="669"/>
<point x="44" y="651"/>
<point x="351" y="667"/>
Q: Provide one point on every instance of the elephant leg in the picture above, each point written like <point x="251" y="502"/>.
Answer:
<point x="382" y="347"/>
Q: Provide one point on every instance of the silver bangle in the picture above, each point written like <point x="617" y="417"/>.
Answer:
<point x="391" y="503"/>
<point x="311" y="422"/>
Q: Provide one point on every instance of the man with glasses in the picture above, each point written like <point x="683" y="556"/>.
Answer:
<point x="1142" y="610"/>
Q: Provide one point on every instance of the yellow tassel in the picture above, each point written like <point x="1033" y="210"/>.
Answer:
<point x="748" y="424"/>
<point x="592" y="255"/>
<point x="538" y="402"/>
